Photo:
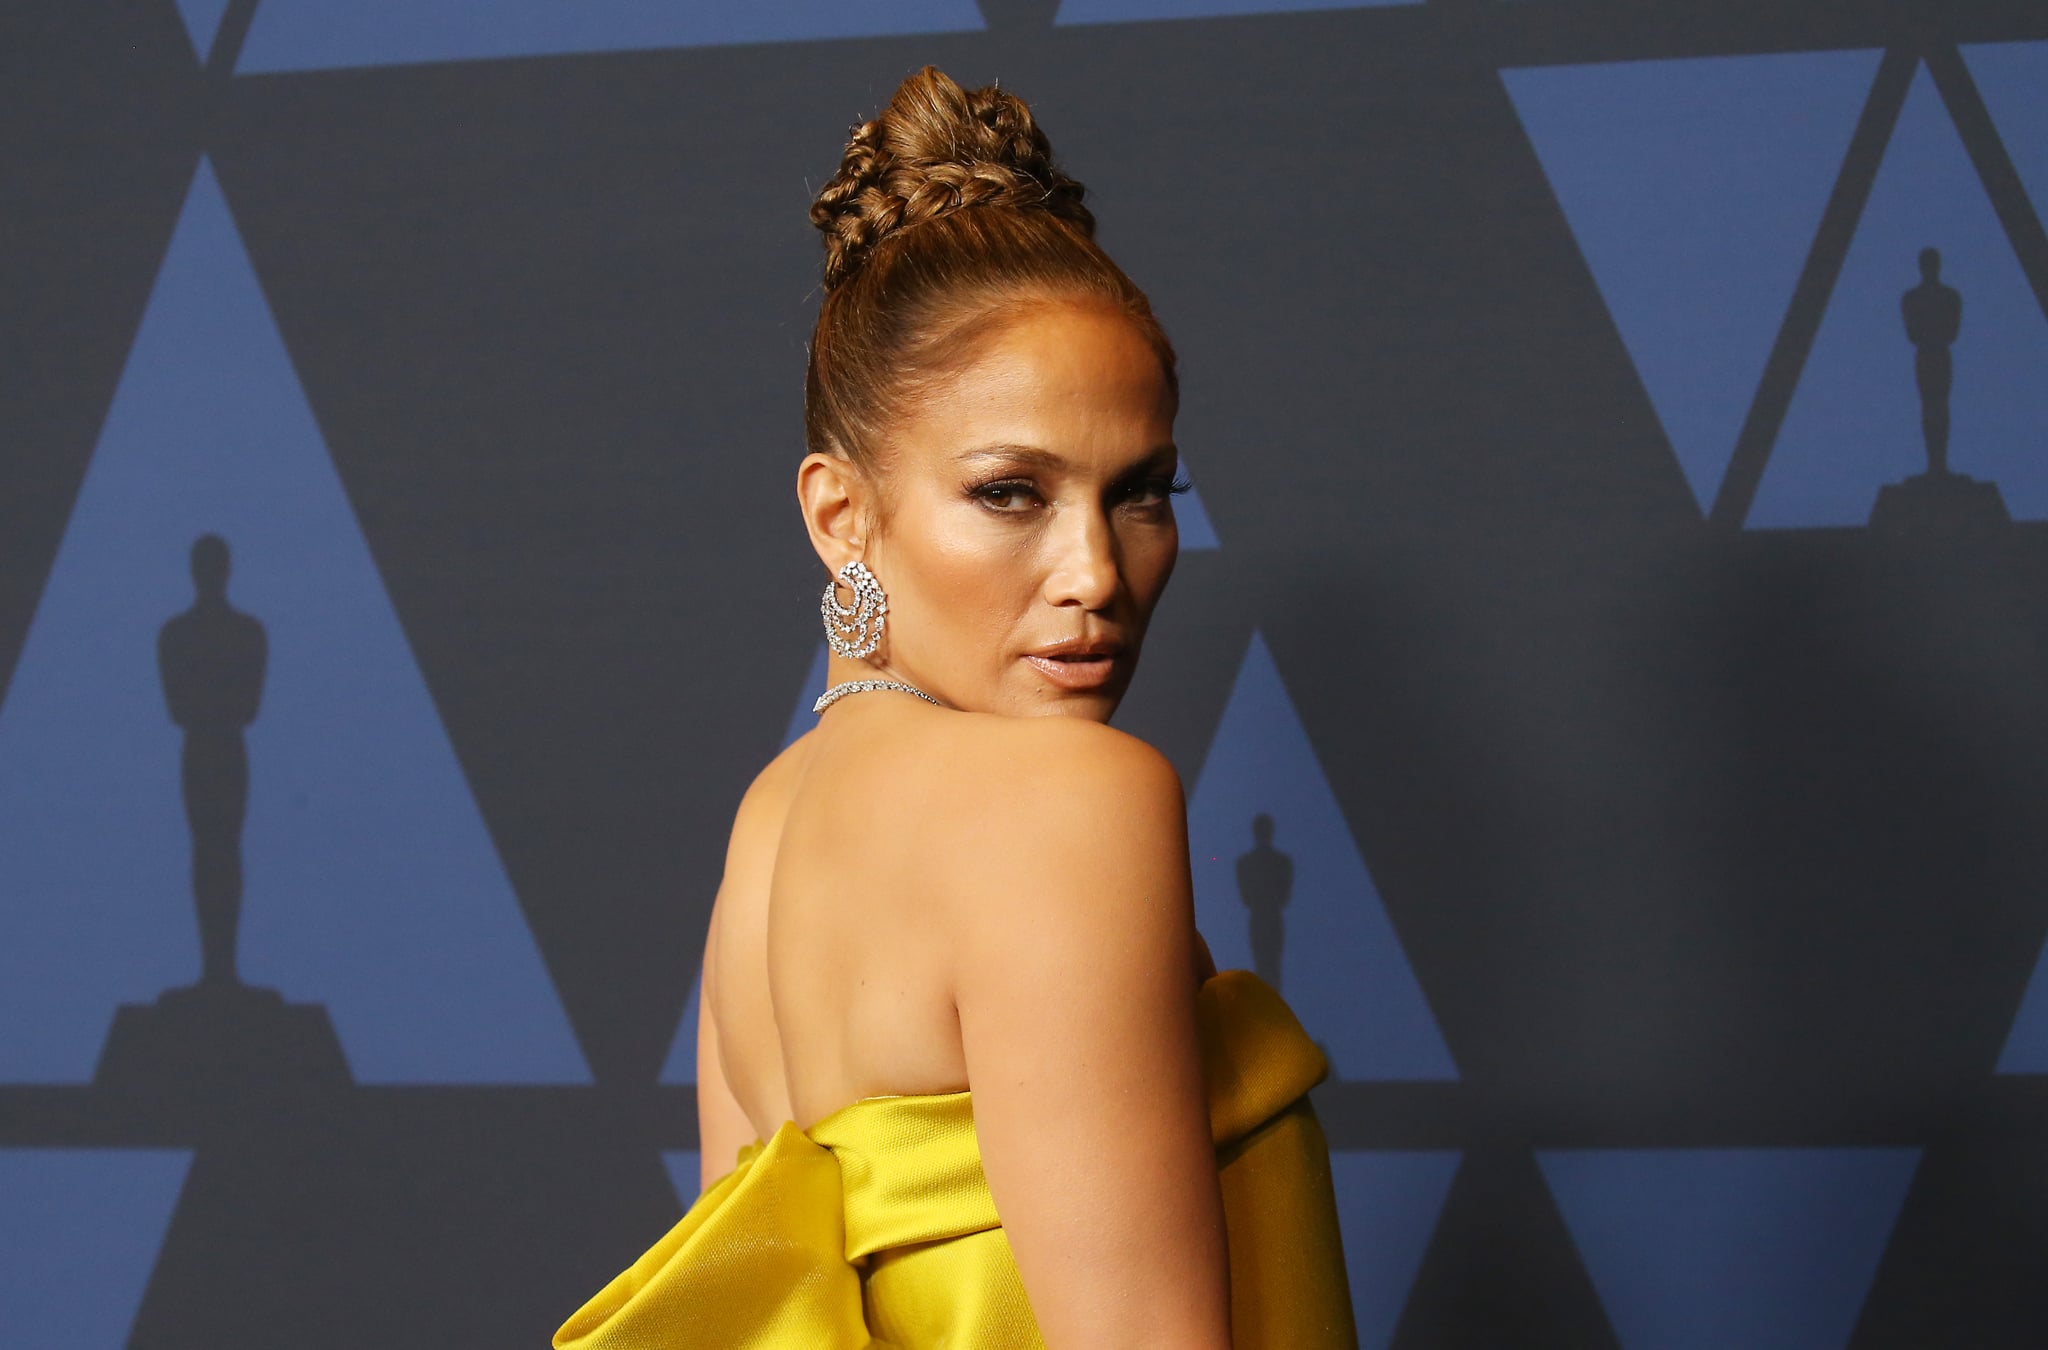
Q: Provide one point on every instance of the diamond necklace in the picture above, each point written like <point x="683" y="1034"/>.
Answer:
<point x="839" y="691"/>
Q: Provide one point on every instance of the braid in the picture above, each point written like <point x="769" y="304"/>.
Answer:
<point x="935" y="150"/>
<point x="946" y="215"/>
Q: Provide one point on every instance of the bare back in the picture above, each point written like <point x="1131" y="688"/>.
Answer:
<point x="826" y="981"/>
<point x="919" y="901"/>
<point x="828" y="976"/>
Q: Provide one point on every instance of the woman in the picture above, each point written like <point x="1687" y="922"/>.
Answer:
<point x="965" y="1074"/>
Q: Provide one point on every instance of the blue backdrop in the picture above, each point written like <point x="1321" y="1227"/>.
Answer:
<point x="1625" y="742"/>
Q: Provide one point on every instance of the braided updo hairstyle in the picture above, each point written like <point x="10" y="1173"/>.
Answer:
<point x="947" y="219"/>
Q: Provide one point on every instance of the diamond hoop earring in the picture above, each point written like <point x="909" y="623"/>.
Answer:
<point x="854" y="630"/>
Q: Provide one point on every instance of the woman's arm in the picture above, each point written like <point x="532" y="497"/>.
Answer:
<point x="1074" y="988"/>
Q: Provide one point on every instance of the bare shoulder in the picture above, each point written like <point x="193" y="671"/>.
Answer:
<point x="1055" y="830"/>
<point x="1067" y="811"/>
<point x="1063" y="769"/>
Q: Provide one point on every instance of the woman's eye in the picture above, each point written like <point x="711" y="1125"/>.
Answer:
<point x="1007" y="496"/>
<point x="1153" y="491"/>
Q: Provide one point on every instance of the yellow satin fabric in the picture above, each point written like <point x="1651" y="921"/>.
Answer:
<point x="876" y="1228"/>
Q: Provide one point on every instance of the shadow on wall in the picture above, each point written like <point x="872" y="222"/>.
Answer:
<point x="1939" y="500"/>
<point x="1265" y="882"/>
<point x="211" y="660"/>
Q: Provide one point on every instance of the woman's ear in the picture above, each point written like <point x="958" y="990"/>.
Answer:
<point x="834" y="496"/>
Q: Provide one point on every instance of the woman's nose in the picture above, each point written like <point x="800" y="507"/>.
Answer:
<point x="1085" y="569"/>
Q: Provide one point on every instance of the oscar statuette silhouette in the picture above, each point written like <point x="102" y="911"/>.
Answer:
<point x="1939" y="501"/>
<point x="1265" y="882"/>
<point x="211" y="660"/>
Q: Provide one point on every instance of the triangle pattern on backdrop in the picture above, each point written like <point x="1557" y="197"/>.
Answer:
<point x="1196" y="533"/>
<point x="318" y="34"/>
<point x="1323" y="936"/>
<point x="682" y="1168"/>
<point x="681" y="1065"/>
<point x="371" y="883"/>
<point x="801" y="718"/>
<point x="1125" y="11"/>
<point x="1703" y="1249"/>
<point x="2013" y="78"/>
<point x="2026" y="1044"/>
<point x="1694" y="188"/>
<point x="1388" y="1202"/>
<point x="202" y="21"/>
<point x="82" y="1228"/>
<point x="1854" y="422"/>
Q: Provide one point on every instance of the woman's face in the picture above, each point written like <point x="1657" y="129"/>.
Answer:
<point x="1026" y="523"/>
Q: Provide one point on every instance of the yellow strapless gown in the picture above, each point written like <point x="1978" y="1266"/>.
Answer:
<point x="875" y="1228"/>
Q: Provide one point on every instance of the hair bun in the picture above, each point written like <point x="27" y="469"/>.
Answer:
<point x="936" y="149"/>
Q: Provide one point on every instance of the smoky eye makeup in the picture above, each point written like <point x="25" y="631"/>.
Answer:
<point x="1144" y="483"/>
<point x="1011" y="489"/>
<point x="1005" y="496"/>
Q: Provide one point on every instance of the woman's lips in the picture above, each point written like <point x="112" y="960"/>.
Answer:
<point x="1075" y="672"/>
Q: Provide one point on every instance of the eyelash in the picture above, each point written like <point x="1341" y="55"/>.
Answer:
<point x="986" y="492"/>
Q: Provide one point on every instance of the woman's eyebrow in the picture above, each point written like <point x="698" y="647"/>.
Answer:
<point x="1046" y="459"/>
<point x="1017" y="454"/>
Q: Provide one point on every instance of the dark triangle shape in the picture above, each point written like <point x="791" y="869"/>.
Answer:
<point x="681" y="1065"/>
<point x="1127" y="11"/>
<point x="801" y="718"/>
<point x="1854" y="424"/>
<point x="1389" y="1201"/>
<point x="1694" y="188"/>
<point x="81" y="1229"/>
<point x="681" y="1165"/>
<point x="2013" y="78"/>
<point x="1706" y="1249"/>
<point x="1196" y="532"/>
<point x="1003" y="15"/>
<point x="202" y="22"/>
<point x="316" y="35"/>
<point x="1336" y="956"/>
<point x="370" y="881"/>
<point x="2026" y="1043"/>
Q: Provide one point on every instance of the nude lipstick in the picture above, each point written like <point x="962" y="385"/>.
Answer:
<point x="1079" y="665"/>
